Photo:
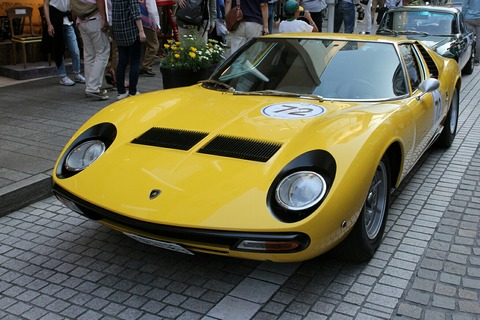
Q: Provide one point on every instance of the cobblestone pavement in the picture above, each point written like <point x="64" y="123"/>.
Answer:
<point x="55" y="264"/>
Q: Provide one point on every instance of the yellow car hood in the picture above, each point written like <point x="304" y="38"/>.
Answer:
<point x="219" y="190"/>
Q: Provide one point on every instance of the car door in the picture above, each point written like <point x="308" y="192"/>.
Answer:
<point x="425" y="109"/>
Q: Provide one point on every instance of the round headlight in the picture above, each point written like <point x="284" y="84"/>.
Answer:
<point x="84" y="155"/>
<point x="300" y="190"/>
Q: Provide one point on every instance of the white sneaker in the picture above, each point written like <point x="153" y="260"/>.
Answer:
<point x="136" y="94"/>
<point x="122" y="96"/>
<point x="66" y="81"/>
<point x="79" y="78"/>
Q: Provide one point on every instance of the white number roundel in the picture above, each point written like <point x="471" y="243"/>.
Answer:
<point x="293" y="110"/>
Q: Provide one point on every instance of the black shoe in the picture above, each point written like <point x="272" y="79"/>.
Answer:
<point x="147" y="73"/>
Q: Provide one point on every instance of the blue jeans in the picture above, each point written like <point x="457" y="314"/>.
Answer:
<point x="130" y="54"/>
<point x="271" y="16"/>
<point x="72" y="46"/>
<point x="344" y="14"/>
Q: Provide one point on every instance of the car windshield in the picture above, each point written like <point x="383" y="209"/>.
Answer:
<point x="429" y="22"/>
<point x="332" y="69"/>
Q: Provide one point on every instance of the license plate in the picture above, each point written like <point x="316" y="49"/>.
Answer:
<point x="161" y="244"/>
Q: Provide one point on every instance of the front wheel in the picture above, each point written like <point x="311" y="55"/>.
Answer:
<point x="366" y="235"/>
<point x="450" y="125"/>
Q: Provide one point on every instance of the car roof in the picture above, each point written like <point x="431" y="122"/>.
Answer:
<point x="342" y="36"/>
<point x="452" y="10"/>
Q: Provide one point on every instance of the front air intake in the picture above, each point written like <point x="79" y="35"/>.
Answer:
<point x="241" y="148"/>
<point x="170" y="138"/>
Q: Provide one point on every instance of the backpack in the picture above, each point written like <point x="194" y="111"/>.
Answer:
<point x="194" y="13"/>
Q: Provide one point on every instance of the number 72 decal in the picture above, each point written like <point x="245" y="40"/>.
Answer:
<point x="293" y="110"/>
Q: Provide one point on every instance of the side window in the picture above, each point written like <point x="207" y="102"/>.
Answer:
<point x="412" y="64"/>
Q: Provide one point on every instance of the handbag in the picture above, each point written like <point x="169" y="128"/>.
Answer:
<point x="234" y="17"/>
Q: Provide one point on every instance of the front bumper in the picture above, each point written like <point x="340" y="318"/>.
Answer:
<point x="231" y="243"/>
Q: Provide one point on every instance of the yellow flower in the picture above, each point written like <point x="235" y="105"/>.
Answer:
<point x="166" y="46"/>
<point x="192" y="54"/>
<point x="176" y="55"/>
<point x="193" y="49"/>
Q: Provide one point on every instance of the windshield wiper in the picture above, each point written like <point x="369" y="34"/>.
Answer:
<point x="280" y="93"/>
<point x="217" y="83"/>
<point x="423" y="33"/>
<point x="389" y="31"/>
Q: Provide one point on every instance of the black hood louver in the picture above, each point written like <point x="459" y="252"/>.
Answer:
<point x="241" y="148"/>
<point x="170" y="138"/>
<point x="224" y="146"/>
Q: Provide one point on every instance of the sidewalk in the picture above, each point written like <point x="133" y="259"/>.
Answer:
<point x="37" y="118"/>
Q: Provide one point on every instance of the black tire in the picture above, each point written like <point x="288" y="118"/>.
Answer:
<point x="468" y="68"/>
<point x="449" y="131"/>
<point x="366" y="235"/>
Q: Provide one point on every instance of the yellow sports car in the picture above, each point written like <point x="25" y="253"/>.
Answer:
<point x="290" y="149"/>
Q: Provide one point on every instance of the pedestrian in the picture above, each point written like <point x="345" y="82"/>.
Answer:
<point x="96" y="48"/>
<point x="292" y="23"/>
<point x="315" y="8"/>
<point x="376" y="3"/>
<point x="220" y="32"/>
<point x="62" y="35"/>
<point x="129" y="34"/>
<point x="151" y="26"/>
<point x="344" y="14"/>
<point x="272" y="5"/>
<point x="254" y="24"/>
<point x="366" y="4"/>
<point x="206" y="24"/>
<point x="471" y="13"/>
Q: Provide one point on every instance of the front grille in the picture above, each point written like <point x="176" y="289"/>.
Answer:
<point x="241" y="148"/>
<point x="170" y="138"/>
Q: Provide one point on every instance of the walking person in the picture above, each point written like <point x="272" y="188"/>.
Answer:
<point x="292" y="23"/>
<point x="471" y="13"/>
<point x="254" y="24"/>
<point x="315" y="8"/>
<point x="96" y="49"/>
<point x="129" y="34"/>
<point x="345" y="12"/>
<point x="366" y="4"/>
<point x="60" y="28"/>
<point x="206" y="23"/>
<point x="151" y="26"/>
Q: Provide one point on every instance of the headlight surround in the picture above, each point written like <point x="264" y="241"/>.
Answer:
<point x="300" y="190"/>
<point x="84" y="155"/>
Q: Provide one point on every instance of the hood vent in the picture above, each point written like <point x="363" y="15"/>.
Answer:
<point x="247" y="149"/>
<point x="170" y="138"/>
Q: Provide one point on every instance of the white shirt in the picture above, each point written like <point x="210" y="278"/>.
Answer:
<point x="294" y="26"/>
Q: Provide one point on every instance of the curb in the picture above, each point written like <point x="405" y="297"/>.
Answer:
<point x="20" y="194"/>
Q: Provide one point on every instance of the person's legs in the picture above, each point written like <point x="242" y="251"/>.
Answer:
<point x="238" y="37"/>
<point x="474" y="26"/>
<point x="123" y="56"/>
<point x="101" y="44"/>
<point x="88" y="55"/>
<point x="271" y="16"/>
<point x="150" y="49"/>
<point x="349" y="17"/>
<point x="317" y="17"/>
<point x="135" y="52"/>
<point x="368" y="17"/>
<point x="338" y="18"/>
<point x="72" y="46"/>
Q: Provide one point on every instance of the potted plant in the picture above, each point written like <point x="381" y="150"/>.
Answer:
<point x="190" y="60"/>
